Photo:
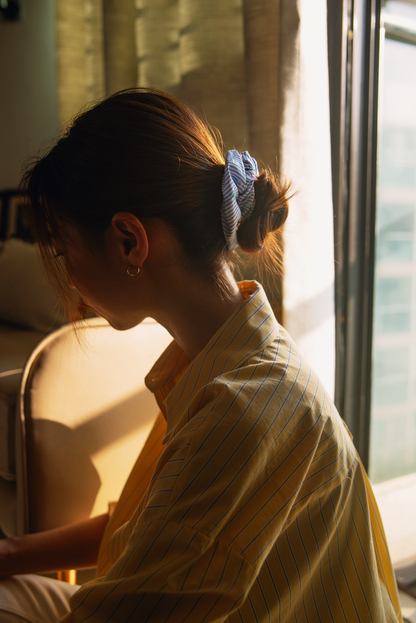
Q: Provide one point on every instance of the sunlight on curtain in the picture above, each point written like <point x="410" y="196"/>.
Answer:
<point x="305" y="158"/>
<point x="195" y="51"/>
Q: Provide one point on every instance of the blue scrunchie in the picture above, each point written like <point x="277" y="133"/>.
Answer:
<point x="238" y="193"/>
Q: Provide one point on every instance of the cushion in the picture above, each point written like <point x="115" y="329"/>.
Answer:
<point x="26" y="296"/>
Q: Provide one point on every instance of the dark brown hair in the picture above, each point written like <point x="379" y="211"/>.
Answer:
<point x="144" y="152"/>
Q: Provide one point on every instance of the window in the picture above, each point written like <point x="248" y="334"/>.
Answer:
<point x="393" y="380"/>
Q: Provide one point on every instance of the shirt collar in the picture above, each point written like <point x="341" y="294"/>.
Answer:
<point x="166" y="372"/>
<point x="174" y="379"/>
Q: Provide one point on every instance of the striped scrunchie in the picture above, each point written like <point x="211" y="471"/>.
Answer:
<point x="238" y="193"/>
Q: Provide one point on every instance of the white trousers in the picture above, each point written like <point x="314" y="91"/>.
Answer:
<point x="33" y="599"/>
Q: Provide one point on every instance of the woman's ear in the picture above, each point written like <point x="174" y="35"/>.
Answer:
<point x="131" y="238"/>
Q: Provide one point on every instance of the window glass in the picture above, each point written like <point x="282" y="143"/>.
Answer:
<point x="395" y="232"/>
<point x="390" y="375"/>
<point x="392" y="304"/>
<point x="393" y="409"/>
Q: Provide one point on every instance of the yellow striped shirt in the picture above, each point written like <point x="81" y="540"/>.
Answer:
<point x="251" y="504"/>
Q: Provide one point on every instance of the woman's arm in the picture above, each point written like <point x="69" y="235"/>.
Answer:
<point x="70" y="547"/>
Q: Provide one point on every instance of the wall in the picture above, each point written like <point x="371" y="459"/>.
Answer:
<point x="28" y="99"/>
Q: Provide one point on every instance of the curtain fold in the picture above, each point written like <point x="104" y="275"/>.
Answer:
<point x="257" y="70"/>
<point x="120" y="58"/>
<point x="157" y="41"/>
<point x="80" y="60"/>
<point x="212" y="65"/>
<point x="262" y="22"/>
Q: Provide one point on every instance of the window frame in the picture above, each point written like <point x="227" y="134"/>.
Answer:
<point x="353" y="55"/>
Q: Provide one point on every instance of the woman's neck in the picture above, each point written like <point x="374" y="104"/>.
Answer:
<point x="191" y="305"/>
<point x="197" y="310"/>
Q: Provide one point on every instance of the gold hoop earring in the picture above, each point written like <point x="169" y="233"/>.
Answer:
<point x="131" y="269"/>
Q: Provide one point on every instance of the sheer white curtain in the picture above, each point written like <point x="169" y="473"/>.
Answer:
<point x="257" y="69"/>
<point x="308" y="301"/>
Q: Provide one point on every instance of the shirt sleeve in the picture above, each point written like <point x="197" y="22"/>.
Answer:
<point x="168" y="573"/>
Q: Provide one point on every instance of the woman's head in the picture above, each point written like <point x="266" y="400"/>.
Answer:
<point x="143" y="152"/>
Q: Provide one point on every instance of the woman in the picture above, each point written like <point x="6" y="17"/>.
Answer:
<point x="248" y="502"/>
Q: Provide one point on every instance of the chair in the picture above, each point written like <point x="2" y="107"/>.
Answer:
<point x="84" y="416"/>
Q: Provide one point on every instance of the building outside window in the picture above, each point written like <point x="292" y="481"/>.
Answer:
<point x="393" y="386"/>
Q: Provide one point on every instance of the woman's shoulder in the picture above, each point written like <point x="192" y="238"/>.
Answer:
<point x="274" y="393"/>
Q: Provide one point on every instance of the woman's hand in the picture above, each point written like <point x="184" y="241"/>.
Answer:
<point x="70" y="547"/>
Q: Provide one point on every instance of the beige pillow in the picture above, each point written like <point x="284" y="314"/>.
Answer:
<point x="26" y="296"/>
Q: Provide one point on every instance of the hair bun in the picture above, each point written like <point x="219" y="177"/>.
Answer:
<point x="269" y="214"/>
